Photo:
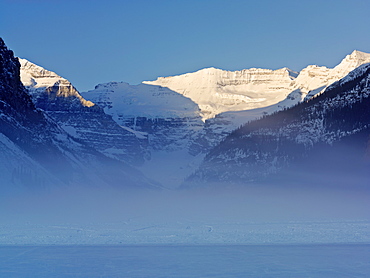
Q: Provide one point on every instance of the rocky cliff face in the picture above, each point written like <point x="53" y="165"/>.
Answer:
<point x="36" y="151"/>
<point x="325" y="131"/>
<point x="20" y="125"/>
<point x="81" y="118"/>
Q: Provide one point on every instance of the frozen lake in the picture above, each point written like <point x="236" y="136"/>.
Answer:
<point x="233" y="232"/>
<point x="331" y="260"/>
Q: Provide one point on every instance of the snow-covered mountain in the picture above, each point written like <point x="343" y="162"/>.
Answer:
<point x="39" y="80"/>
<point x="150" y="111"/>
<point x="170" y="122"/>
<point x="217" y="91"/>
<point x="184" y="116"/>
<point x="329" y="135"/>
<point x="81" y="118"/>
<point x="259" y="91"/>
<point x="36" y="151"/>
<point x="168" y="125"/>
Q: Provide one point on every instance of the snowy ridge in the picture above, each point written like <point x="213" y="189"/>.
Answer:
<point x="120" y="99"/>
<point x="359" y="71"/>
<point x="35" y="77"/>
<point x="217" y="91"/>
<point x="315" y="77"/>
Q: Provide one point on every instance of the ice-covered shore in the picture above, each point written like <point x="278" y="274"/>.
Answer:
<point x="135" y="232"/>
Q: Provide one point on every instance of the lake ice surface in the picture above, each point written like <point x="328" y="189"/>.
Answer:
<point x="330" y="260"/>
<point x="251" y="232"/>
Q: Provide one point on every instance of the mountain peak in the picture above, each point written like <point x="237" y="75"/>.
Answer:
<point x="217" y="91"/>
<point x="35" y="77"/>
<point x="354" y="60"/>
<point x="357" y="53"/>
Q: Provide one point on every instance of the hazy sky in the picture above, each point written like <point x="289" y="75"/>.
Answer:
<point x="91" y="42"/>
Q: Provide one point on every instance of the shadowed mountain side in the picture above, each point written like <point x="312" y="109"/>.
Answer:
<point x="37" y="148"/>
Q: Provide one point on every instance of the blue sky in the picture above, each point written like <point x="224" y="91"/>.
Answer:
<point x="91" y="42"/>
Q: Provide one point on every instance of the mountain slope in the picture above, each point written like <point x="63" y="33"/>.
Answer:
<point x="326" y="128"/>
<point x="36" y="151"/>
<point x="80" y="118"/>
<point x="22" y="125"/>
<point x="169" y="121"/>
<point x="151" y="111"/>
